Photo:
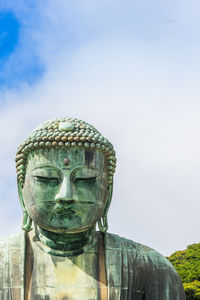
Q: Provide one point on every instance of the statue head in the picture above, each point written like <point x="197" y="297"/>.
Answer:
<point x="65" y="174"/>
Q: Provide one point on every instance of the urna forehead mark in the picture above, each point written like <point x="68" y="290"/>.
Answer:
<point x="66" y="161"/>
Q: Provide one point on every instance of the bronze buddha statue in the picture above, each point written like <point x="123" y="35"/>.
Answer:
<point x="65" y="177"/>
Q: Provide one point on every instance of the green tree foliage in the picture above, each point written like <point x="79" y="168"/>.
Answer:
<point x="187" y="263"/>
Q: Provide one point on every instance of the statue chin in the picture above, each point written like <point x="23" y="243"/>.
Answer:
<point x="57" y="230"/>
<point x="66" y="222"/>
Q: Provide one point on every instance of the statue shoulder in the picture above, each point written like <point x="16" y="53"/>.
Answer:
<point x="11" y="246"/>
<point x="12" y="241"/>
<point x="140" y="257"/>
<point x="11" y="264"/>
<point x="154" y="276"/>
<point x="143" y="254"/>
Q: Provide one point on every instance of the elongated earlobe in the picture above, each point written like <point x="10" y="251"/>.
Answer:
<point x="27" y="221"/>
<point x="103" y="224"/>
<point x="103" y="221"/>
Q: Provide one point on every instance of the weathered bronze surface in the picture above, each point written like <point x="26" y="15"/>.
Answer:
<point x="65" y="176"/>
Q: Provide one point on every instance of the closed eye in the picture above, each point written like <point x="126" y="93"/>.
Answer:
<point x="46" y="179"/>
<point x="85" y="179"/>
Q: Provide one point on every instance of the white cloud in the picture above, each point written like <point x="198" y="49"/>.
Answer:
<point x="142" y="95"/>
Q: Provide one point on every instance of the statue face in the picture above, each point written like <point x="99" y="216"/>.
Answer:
<point x="65" y="190"/>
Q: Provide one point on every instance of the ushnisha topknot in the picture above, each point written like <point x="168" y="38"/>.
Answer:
<point x="69" y="133"/>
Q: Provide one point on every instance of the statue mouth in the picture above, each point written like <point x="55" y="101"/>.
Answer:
<point x="64" y="209"/>
<point x="69" y="207"/>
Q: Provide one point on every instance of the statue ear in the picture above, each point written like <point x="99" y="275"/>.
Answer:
<point x="27" y="221"/>
<point x="108" y="199"/>
<point x="19" y="186"/>
<point x="103" y="221"/>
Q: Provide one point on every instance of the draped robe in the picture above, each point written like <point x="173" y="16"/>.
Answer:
<point x="132" y="271"/>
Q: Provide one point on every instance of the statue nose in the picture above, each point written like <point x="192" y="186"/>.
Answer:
<point x="65" y="192"/>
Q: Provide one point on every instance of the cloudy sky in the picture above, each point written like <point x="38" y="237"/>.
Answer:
<point x="132" y="69"/>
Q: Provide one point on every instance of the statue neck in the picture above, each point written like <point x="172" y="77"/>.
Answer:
<point x="66" y="243"/>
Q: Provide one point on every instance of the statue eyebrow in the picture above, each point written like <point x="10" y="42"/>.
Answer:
<point x="47" y="166"/>
<point x="80" y="167"/>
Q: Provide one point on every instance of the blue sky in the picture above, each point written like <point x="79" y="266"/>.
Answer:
<point x="132" y="69"/>
<point x="171" y="28"/>
<point x="13" y="50"/>
<point x="9" y="35"/>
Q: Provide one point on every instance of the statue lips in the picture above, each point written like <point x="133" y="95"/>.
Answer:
<point x="68" y="207"/>
<point x="64" y="208"/>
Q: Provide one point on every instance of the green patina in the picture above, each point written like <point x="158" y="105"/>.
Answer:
<point x="60" y="198"/>
<point x="65" y="178"/>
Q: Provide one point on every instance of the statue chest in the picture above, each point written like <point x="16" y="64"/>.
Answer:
<point x="52" y="277"/>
